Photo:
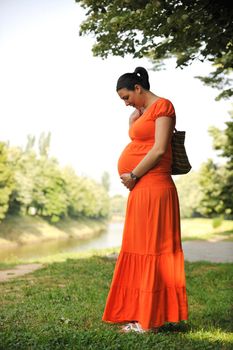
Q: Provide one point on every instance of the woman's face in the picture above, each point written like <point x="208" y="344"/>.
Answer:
<point x="132" y="98"/>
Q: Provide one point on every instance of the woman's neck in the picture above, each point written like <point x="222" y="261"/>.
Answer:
<point x="150" y="98"/>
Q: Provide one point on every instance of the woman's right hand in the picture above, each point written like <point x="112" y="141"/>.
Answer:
<point x="135" y="115"/>
<point x="127" y="181"/>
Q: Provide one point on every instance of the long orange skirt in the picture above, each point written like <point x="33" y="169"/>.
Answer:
<point x="148" y="284"/>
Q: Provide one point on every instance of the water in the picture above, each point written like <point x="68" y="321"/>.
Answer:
<point x="106" y="239"/>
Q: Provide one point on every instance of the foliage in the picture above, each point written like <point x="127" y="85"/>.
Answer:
<point x="38" y="184"/>
<point x="85" y="196"/>
<point x="44" y="144"/>
<point x="189" y="194"/>
<point x="6" y="180"/>
<point x="118" y="205"/>
<point x="211" y="177"/>
<point x="42" y="188"/>
<point x="50" y="197"/>
<point x="160" y="29"/>
<point x="217" y="181"/>
<point x="74" y="192"/>
<point x="97" y="200"/>
<point x="60" y="307"/>
<point x="26" y="172"/>
<point x="227" y="152"/>
<point x="105" y="180"/>
<point x="217" y="222"/>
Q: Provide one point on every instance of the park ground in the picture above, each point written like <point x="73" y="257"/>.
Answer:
<point x="60" y="305"/>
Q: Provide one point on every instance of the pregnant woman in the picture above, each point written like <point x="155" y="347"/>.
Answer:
<point x="148" y="286"/>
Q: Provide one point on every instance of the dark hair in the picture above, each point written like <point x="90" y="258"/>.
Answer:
<point x="129" y="80"/>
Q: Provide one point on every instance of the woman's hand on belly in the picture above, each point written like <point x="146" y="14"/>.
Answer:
<point x="127" y="181"/>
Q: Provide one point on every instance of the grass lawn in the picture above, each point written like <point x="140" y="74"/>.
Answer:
<point x="202" y="228"/>
<point x="60" y="307"/>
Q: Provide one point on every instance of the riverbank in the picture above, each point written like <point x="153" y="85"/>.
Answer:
<point x="22" y="230"/>
<point x="26" y="233"/>
<point x="60" y="306"/>
<point x="216" y="252"/>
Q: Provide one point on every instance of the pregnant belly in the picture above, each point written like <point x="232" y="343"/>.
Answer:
<point x="132" y="155"/>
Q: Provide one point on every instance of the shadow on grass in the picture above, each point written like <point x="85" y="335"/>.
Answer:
<point x="60" y="307"/>
<point x="227" y="234"/>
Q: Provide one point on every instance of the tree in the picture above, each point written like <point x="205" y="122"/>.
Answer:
<point x="49" y="195"/>
<point x="96" y="202"/>
<point x="189" y="194"/>
<point x="26" y="176"/>
<point x="118" y="205"/>
<point x="223" y="142"/>
<point x="6" y="180"/>
<point x="38" y="182"/>
<point x="86" y="198"/>
<point x="210" y="180"/>
<point x="160" y="29"/>
<point x="32" y="183"/>
<point x="31" y="139"/>
<point x="75" y="189"/>
<point x="105" y="180"/>
<point x="217" y="181"/>
<point x="44" y="144"/>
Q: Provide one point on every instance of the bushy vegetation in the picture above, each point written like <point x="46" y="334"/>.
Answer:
<point x="33" y="183"/>
<point x="118" y="205"/>
<point x="208" y="192"/>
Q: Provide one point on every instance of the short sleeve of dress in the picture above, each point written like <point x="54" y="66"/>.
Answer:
<point x="163" y="108"/>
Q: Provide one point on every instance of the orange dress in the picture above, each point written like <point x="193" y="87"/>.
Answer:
<point x="148" y="284"/>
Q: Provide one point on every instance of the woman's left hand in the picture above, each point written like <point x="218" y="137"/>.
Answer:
<point x="127" y="181"/>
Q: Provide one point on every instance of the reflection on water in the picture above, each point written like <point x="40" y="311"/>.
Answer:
<point x="111" y="237"/>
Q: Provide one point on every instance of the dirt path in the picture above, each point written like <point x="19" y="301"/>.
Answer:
<point x="220" y="252"/>
<point x="19" y="270"/>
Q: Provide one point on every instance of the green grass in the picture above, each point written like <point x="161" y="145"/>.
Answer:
<point x="202" y="229"/>
<point x="4" y="266"/>
<point x="60" y="307"/>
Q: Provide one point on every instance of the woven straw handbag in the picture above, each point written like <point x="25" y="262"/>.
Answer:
<point x="180" y="161"/>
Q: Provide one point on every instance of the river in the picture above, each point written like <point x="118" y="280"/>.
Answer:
<point x="111" y="237"/>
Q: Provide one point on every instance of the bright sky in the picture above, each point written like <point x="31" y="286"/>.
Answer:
<point x="51" y="82"/>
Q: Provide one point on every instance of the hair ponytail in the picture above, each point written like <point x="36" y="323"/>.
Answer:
<point x="129" y="80"/>
<point x="142" y="73"/>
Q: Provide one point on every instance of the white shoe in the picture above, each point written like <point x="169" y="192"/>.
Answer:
<point x="139" y="328"/>
<point x="136" y="327"/>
